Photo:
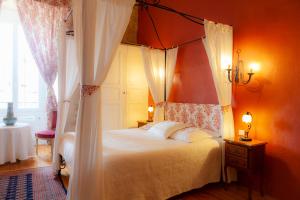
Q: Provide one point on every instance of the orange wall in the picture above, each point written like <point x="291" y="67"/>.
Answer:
<point x="267" y="32"/>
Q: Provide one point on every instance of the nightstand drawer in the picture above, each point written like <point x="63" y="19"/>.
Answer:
<point x="236" y="150"/>
<point x="236" y="161"/>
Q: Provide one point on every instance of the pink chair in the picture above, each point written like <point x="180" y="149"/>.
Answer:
<point x="47" y="135"/>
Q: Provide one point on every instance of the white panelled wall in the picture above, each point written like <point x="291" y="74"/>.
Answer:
<point x="125" y="90"/>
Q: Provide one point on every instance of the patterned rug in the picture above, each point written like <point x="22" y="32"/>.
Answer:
<point x="39" y="183"/>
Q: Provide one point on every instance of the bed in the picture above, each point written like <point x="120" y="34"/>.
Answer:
<point x="138" y="166"/>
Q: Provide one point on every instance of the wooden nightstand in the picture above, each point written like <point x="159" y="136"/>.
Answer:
<point x="246" y="156"/>
<point x="142" y="123"/>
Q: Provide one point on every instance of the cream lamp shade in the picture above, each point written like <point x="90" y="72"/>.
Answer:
<point x="150" y="109"/>
<point x="247" y="117"/>
<point x="150" y="115"/>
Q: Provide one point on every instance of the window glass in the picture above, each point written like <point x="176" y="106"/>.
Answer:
<point x="28" y="75"/>
<point x="6" y="64"/>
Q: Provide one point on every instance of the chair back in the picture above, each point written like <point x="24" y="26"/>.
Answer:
<point x="53" y="120"/>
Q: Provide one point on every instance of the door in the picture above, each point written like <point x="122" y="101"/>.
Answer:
<point x="125" y="90"/>
<point x="113" y="93"/>
<point x="136" y="88"/>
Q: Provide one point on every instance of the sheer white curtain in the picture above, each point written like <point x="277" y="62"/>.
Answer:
<point x="171" y="64"/>
<point x="218" y="44"/>
<point x="71" y="81"/>
<point x="68" y="81"/>
<point x="154" y="64"/>
<point x="99" y="26"/>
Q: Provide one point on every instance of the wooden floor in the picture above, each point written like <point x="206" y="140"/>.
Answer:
<point x="43" y="160"/>
<point x="217" y="192"/>
<point x="209" y="192"/>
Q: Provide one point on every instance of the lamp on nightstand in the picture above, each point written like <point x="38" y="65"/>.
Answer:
<point x="247" y="118"/>
<point x="150" y="110"/>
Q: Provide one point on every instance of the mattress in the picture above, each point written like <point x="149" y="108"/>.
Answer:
<point x="138" y="166"/>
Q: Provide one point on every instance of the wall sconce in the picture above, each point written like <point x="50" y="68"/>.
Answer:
<point x="150" y="115"/>
<point x="247" y="118"/>
<point x="238" y="72"/>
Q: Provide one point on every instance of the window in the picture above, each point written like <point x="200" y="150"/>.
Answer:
<point x="28" y="75"/>
<point x="6" y="63"/>
<point x="20" y="81"/>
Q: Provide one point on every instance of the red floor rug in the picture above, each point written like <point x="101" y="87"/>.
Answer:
<point x="39" y="183"/>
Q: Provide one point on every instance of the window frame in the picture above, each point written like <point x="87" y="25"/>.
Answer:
<point x="13" y="19"/>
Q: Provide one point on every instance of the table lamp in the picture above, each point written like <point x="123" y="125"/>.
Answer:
<point x="247" y="118"/>
<point x="150" y="110"/>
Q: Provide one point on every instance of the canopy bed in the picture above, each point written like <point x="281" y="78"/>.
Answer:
<point x="91" y="154"/>
<point x="158" y="168"/>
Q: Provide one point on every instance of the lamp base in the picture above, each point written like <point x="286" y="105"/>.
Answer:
<point x="246" y="139"/>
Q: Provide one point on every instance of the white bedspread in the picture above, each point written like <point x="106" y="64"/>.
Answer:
<point x="138" y="166"/>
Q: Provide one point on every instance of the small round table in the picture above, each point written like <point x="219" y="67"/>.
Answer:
<point x="15" y="142"/>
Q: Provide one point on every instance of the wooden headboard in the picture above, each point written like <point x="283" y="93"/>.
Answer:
<point x="208" y="116"/>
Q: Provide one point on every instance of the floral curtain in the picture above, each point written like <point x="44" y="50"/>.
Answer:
<point x="0" y="5"/>
<point x="56" y="2"/>
<point x="41" y="24"/>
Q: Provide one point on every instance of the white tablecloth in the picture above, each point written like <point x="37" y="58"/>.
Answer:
<point x="15" y="143"/>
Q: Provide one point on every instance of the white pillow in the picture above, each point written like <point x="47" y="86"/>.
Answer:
<point x="165" y="128"/>
<point x="190" y="135"/>
<point x="147" y="126"/>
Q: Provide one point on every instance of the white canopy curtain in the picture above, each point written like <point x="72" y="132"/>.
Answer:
<point x="68" y="81"/>
<point x="99" y="26"/>
<point x="218" y="44"/>
<point x="154" y="64"/>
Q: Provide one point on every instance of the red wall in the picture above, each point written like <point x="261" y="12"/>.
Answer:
<point x="267" y="32"/>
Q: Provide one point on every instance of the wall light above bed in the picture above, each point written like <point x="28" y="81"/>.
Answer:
<point x="236" y="74"/>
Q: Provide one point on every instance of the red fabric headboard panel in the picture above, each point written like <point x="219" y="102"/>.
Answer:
<point x="207" y="116"/>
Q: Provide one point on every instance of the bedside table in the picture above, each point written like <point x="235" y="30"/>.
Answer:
<point x="142" y="123"/>
<point x="245" y="156"/>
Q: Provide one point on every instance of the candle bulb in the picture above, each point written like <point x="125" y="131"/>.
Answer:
<point x="254" y="67"/>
